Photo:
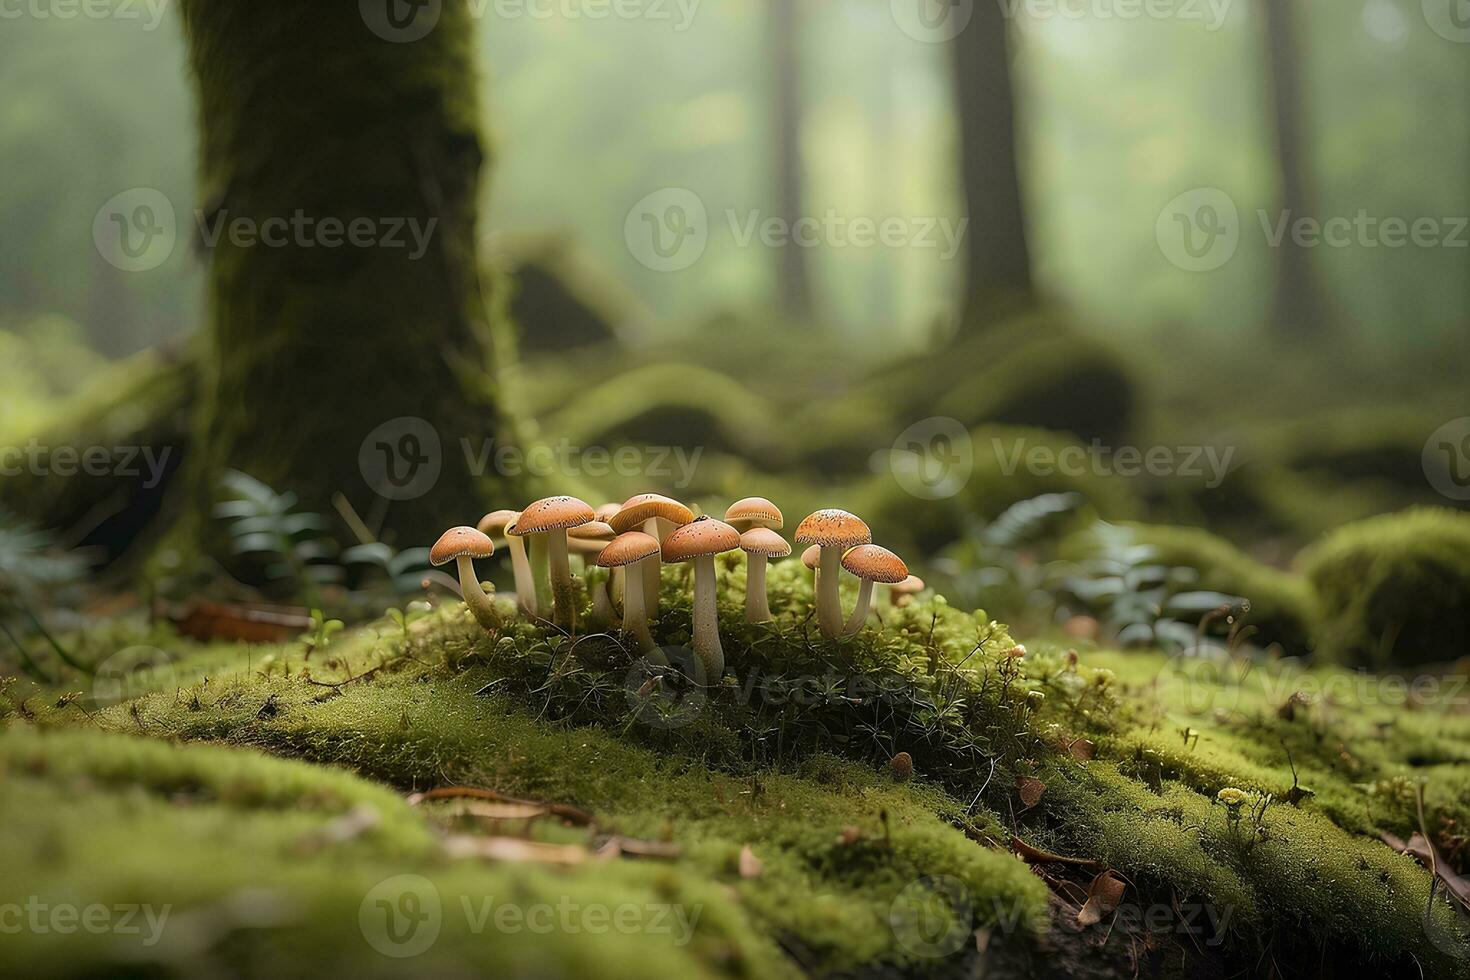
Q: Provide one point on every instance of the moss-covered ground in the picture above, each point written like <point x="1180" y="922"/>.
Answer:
<point x="266" y="794"/>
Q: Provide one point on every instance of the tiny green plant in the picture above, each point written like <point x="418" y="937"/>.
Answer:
<point x="292" y="548"/>
<point x="322" y="631"/>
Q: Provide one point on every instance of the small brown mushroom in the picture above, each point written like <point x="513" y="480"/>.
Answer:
<point x="835" y="532"/>
<point x="552" y="516"/>
<point x="751" y="512"/>
<point x="627" y="551"/>
<point x="870" y="564"/>
<point x="902" y="593"/>
<point x="699" y="542"/>
<point x="462" y="545"/>
<point x="654" y="514"/>
<point x="760" y="544"/>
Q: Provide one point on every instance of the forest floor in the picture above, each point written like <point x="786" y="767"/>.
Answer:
<point x="423" y="795"/>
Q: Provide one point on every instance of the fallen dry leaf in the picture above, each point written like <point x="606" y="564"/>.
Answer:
<point x="1082" y="750"/>
<point x="514" y="850"/>
<point x="1420" y="848"/>
<point x="571" y="814"/>
<point x="1030" y="789"/>
<point x="1103" y="896"/>
<point x="750" y="865"/>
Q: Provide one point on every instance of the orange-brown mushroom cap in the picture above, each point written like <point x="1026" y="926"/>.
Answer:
<point x="875" y="564"/>
<point x="605" y="512"/>
<point x="554" y="514"/>
<point x="495" y="522"/>
<point x="589" y="538"/>
<point x="627" y="548"/>
<point x="764" y="541"/>
<point x="646" y="506"/>
<point x="700" y="539"/>
<point x="754" y="512"/>
<point x="460" y="542"/>
<point x="812" y="557"/>
<point x="833" y="529"/>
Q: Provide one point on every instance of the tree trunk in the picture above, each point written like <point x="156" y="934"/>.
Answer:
<point x="998" y="260"/>
<point x="1299" y="302"/>
<point x="343" y="364"/>
<point x="793" y="283"/>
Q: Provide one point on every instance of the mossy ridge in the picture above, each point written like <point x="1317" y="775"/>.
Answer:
<point x="263" y="891"/>
<point x="412" y="732"/>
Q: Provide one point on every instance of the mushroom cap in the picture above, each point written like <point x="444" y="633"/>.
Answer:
<point x="833" y="529"/>
<point x="764" y="541"/>
<point x="605" y="512"/>
<point x="627" y="548"/>
<point x="812" y="557"/>
<point x="589" y="538"/>
<point x="874" y="564"/>
<point x="495" y="522"/>
<point x="700" y="539"/>
<point x="554" y="514"/>
<point x="909" y="586"/>
<point x="754" y="512"/>
<point x="460" y="542"/>
<point x="645" y="506"/>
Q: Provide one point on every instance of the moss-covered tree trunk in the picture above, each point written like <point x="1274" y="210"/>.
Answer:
<point x="349" y="343"/>
<point x="998" y="259"/>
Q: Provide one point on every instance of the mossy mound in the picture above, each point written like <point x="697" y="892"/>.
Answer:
<point x="1116" y="761"/>
<point x="1394" y="589"/>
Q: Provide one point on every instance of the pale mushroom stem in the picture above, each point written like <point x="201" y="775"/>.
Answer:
<point x="829" y="600"/>
<point x="860" y="612"/>
<point x="540" y="576"/>
<point x="616" y="587"/>
<point x="635" y="617"/>
<point x="706" y="621"/>
<point x="602" y="610"/>
<point x="481" y="605"/>
<point x="757" y="609"/>
<point x="651" y="569"/>
<point x="562" y="610"/>
<point x="525" y="582"/>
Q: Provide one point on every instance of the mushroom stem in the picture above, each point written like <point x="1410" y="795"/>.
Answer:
<point x="616" y="587"/>
<point x="602" y="610"/>
<point x="480" y="604"/>
<point x="860" y="611"/>
<point x="651" y="569"/>
<point x="562" y="610"/>
<point x="706" y="621"/>
<point x="829" y="601"/>
<point x="757" y="609"/>
<point x="635" y="617"/>
<point x="540" y="577"/>
<point x="525" y="582"/>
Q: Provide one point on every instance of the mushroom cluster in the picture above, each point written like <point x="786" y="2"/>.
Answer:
<point x="623" y="547"/>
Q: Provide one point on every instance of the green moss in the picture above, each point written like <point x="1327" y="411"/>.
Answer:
<point x="803" y="781"/>
<point x="1394" y="589"/>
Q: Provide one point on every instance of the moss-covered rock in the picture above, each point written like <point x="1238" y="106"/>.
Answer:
<point x="1394" y="589"/>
